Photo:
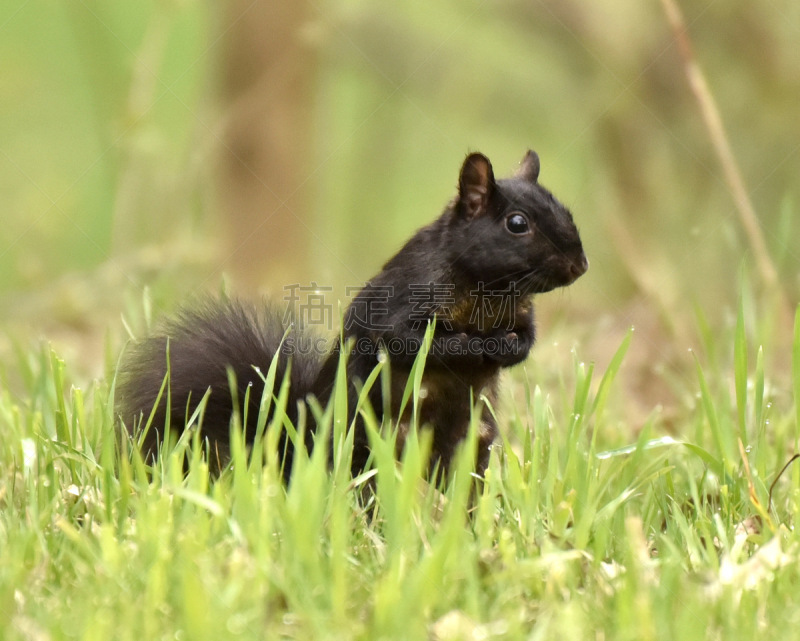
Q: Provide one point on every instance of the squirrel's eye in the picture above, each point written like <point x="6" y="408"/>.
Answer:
<point x="517" y="224"/>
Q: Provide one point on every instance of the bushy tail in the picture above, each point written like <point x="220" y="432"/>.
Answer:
<point x="201" y="343"/>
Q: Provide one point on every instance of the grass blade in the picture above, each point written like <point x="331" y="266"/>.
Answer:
<point x="740" y="373"/>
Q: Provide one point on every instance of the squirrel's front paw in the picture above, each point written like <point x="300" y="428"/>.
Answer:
<point x="508" y="348"/>
<point x="466" y="348"/>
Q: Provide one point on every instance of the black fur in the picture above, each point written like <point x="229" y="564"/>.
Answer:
<point x="204" y="341"/>
<point x="475" y="269"/>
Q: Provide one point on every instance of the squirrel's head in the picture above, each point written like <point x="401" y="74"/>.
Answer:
<point x="513" y="230"/>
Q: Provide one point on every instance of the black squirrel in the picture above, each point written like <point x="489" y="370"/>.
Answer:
<point x="474" y="269"/>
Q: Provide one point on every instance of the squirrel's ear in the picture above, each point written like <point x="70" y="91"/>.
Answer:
<point x="529" y="167"/>
<point x="475" y="185"/>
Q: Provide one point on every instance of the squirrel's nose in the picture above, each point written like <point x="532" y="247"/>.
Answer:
<point x="577" y="268"/>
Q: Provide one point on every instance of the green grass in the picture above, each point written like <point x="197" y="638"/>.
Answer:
<point x="582" y="530"/>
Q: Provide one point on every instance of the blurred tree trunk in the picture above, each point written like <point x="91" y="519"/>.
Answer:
<point x="267" y="82"/>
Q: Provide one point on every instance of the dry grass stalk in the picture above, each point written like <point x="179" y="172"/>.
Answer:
<point x="719" y="139"/>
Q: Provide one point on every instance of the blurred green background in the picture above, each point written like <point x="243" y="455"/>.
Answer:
<point x="179" y="145"/>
